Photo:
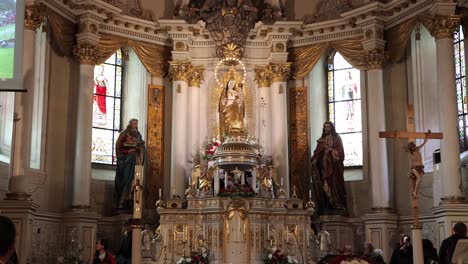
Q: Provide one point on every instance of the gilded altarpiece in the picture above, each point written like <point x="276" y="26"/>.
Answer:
<point x="298" y="141"/>
<point x="154" y="159"/>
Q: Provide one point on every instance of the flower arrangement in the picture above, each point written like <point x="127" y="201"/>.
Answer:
<point x="210" y="149"/>
<point x="236" y="190"/>
<point x="195" y="258"/>
<point x="276" y="257"/>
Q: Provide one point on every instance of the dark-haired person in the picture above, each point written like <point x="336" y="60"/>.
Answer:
<point x="403" y="253"/>
<point x="7" y="239"/>
<point x="125" y="252"/>
<point x="103" y="256"/>
<point x="449" y="244"/>
<point x="328" y="168"/>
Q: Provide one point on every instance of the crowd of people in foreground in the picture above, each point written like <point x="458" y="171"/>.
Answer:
<point x="402" y="254"/>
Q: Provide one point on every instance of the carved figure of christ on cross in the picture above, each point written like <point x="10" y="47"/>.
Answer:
<point x="416" y="165"/>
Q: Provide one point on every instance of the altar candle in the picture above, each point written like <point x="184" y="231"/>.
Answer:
<point x="173" y="190"/>
<point x="310" y="194"/>
<point x="281" y="181"/>
<point x="160" y="193"/>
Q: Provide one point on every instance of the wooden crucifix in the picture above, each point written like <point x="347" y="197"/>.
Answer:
<point x="416" y="164"/>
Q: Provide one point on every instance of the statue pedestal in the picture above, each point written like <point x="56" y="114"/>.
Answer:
<point x="234" y="230"/>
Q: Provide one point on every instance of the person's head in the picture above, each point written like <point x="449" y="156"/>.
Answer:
<point x="347" y="250"/>
<point x="231" y="84"/>
<point x="133" y="125"/>
<point x="100" y="69"/>
<point x="411" y="146"/>
<point x="459" y="229"/>
<point x="102" y="244"/>
<point x="405" y="239"/>
<point x="328" y="129"/>
<point x="127" y="226"/>
<point x="8" y="238"/>
<point x="369" y="247"/>
<point x="348" y="76"/>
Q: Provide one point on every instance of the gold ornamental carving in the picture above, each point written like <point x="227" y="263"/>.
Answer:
<point x="263" y="77"/>
<point x="374" y="59"/>
<point x="155" y="145"/>
<point x="298" y="141"/>
<point x="195" y="76"/>
<point x="178" y="71"/>
<point x="85" y="53"/>
<point x="444" y="26"/>
<point x="34" y="16"/>
<point x="280" y="72"/>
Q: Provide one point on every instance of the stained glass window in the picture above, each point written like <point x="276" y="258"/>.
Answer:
<point x="344" y="107"/>
<point x="107" y="101"/>
<point x="460" y="80"/>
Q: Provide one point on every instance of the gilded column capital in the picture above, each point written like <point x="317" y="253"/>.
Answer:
<point x="195" y="76"/>
<point x="33" y="16"/>
<point x="85" y="53"/>
<point x="280" y="72"/>
<point x="263" y="77"/>
<point x="178" y="71"/>
<point x="444" y="26"/>
<point x="374" y="59"/>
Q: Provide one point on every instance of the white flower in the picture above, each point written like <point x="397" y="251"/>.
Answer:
<point x="189" y="260"/>
<point x="270" y="256"/>
<point x="204" y="255"/>
<point x="180" y="261"/>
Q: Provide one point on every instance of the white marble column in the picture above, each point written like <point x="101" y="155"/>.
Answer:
<point x="279" y="121"/>
<point x="82" y="163"/>
<point x="195" y="77"/>
<point x="263" y="79"/>
<point x="378" y="146"/>
<point x="178" y="72"/>
<point x="19" y="187"/>
<point x="448" y="115"/>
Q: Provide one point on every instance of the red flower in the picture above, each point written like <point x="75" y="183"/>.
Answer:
<point x="216" y="143"/>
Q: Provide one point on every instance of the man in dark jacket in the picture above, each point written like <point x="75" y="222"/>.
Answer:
<point x="449" y="244"/>
<point x="125" y="251"/>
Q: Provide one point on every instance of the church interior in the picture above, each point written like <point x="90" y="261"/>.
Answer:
<point x="233" y="131"/>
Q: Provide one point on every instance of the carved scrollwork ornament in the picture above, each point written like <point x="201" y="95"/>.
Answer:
<point x="34" y="16"/>
<point x="444" y="26"/>
<point x="374" y="59"/>
<point x="195" y="76"/>
<point x="178" y="71"/>
<point x="85" y="53"/>
<point x="280" y="72"/>
<point x="263" y="77"/>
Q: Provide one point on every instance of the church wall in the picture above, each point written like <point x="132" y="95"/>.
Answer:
<point x="358" y="196"/>
<point x="60" y="134"/>
<point x="395" y="92"/>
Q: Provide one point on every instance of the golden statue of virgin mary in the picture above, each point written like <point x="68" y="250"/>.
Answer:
<point x="231" y="105"/>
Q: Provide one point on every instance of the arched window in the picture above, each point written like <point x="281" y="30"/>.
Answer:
<point x="107" y="103"/>
<point x="460" y="80"/>
<point x="344" y="107"/>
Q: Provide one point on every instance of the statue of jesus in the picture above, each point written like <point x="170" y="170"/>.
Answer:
<point x="416" y="166"/>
